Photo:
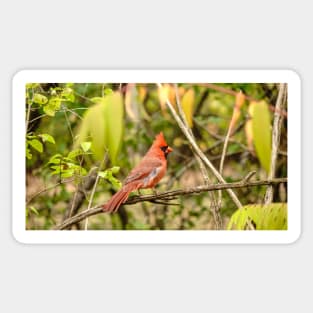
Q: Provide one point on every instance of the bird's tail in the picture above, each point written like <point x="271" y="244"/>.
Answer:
<point x="117" y="199"/>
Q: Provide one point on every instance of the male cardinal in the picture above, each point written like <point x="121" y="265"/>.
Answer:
<point x="146" y="174"/>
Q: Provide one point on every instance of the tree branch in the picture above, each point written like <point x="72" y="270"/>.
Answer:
<point x="281" y="100"/>
<point x="199" y="152"/>
<point x="214" y="206"/>
<point x="171" y="195"/>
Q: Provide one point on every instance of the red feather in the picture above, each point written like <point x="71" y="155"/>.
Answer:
<point x="146" y="174"/>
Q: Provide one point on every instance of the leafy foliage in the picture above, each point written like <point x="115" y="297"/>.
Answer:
<point x="263" y="217"/>
<point x="76" y="129"/>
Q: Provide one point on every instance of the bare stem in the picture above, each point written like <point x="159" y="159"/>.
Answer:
<point x="94" y="188"/>
<point x="171" y="195"/>
<point x="90" y="201"/>
<point x="199" y="152"/>
<point x="28" y="113"/>
<point x="281" y="100"/>
<point x="215" y="207"/>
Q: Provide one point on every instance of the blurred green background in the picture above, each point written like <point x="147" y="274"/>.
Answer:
<point x="78" y="132"/>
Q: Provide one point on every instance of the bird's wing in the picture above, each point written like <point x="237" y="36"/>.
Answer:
<point x="145" y="170"/>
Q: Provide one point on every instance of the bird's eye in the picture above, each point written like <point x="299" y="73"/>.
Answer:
<point x="164" y="148"/>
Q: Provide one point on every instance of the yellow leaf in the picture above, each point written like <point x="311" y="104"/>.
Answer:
<point x="265" y="217"/>
<point x="262" y="132"/>
<point x="94" y="130"/>
<point x="142" y="92"/>
<point x="187" y="103"/>
<point x="114" y="124"/>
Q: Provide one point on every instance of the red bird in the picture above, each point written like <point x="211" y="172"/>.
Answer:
<point x="146" y="174"/>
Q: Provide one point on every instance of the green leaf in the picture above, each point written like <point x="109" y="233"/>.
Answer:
<point x="102" y="174"/>
<point x="108" y="174"/>
<point x="262" y="132"/>
<point x="107" y="91"/>
<point x="28" y="154"/>
<point x="115" y="169"/>
<point x="96" y="99"/>
<point x="86" y="145"/>
<point x="49" y="111"/>
<point x="265" y="217"/>
<point x="103" y="126"/>
<point x="32" y="85"/>
<point x="73" y="154"/>
<point x="40" y="99"/>
<point x="36" y="144"/>
<point x="47" y="138"/>
<point x="31" y="209"/>
<point x="68" y="94"/>
<point x="34" y="210"/>
<point x="67" y="173"/>
<point x="114" y="181"/>
<point x="93" y="128"/>
<point x="53" y="105"/>
<point x="140" y="226"/>
<point x="55" y="159"/>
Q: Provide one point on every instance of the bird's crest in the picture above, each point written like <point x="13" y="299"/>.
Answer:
<point x="160" y="140"/>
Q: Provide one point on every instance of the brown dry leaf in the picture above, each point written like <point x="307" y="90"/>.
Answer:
<point x="131" y="105"/>
<point x="240" y="99"/>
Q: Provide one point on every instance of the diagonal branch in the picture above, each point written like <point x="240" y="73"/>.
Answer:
<point x="215" y="207"/>
<point x="198" y="151"/>
<point x="171" y="195"/>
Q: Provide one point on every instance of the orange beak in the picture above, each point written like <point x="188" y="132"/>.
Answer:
<point x="169" y="150"/>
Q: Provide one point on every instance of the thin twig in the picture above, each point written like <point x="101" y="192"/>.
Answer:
<point x="85" y="184"/>
<point x="68" y="124"/>
<point x="281" y="100"/>
<point x="94" y="188"/>
<point x="171" y="195"/>
<point x="215" y="207"/>
<point x="90" y="201"/>
<point x="199" y="152"/>
<point x="184" y="119"/>
<point x="240" y="98"/>
<point x="33" y="196"/>
<point x="28" y="112"/>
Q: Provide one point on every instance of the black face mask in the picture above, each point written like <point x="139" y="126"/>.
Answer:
<point x="165" y="151"/>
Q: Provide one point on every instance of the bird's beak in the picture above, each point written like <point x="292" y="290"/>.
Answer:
<point x="169" y="149"/>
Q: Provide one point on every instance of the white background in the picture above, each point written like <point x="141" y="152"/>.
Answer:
<point x="18" y="138"/>
<point x="137" y="34"/>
